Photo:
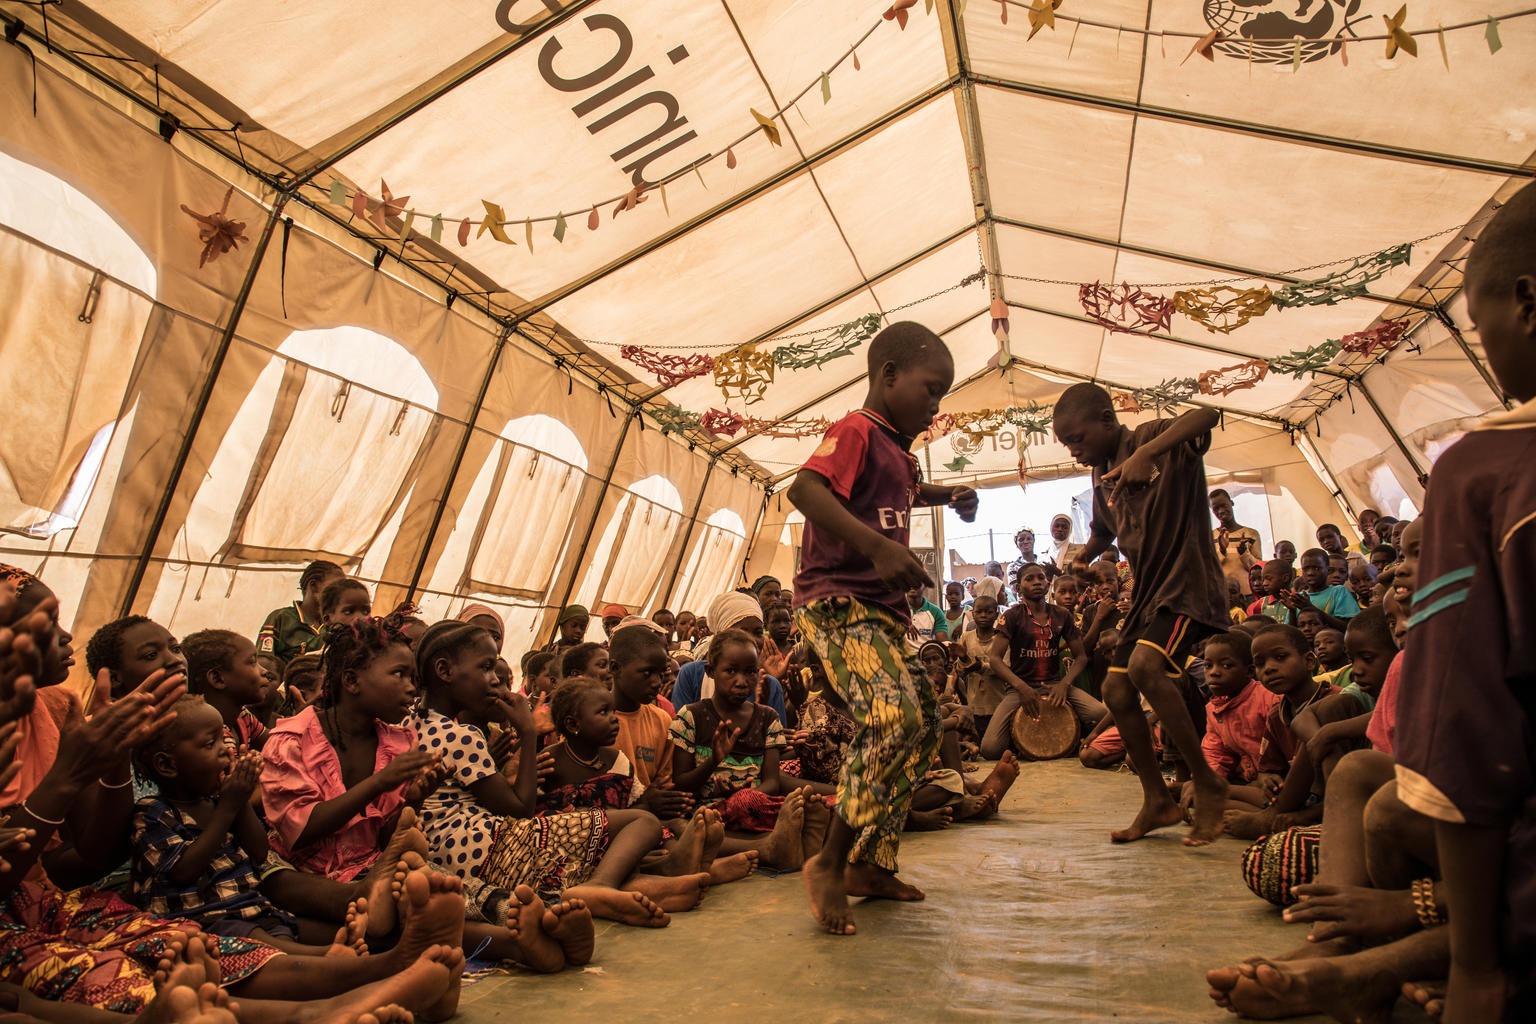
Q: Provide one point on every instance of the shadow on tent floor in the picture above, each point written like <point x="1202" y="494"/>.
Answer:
<point x="1034" y="916"/>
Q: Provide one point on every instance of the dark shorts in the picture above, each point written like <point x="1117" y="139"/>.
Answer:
<point x="1172" y="636"/>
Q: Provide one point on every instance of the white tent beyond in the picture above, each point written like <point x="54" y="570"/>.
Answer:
<point x="476" y="231"/>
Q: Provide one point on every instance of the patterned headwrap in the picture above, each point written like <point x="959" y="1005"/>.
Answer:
<point x="474" y="611"/>
<point x="19" y="577"/>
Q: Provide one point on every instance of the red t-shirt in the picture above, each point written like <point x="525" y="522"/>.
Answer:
<point x="867" y="465"/>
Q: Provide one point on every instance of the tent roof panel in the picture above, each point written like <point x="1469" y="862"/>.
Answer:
<point x="1099" y="61"/>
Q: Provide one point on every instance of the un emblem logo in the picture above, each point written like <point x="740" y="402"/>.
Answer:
<point x="1265" y="31"/>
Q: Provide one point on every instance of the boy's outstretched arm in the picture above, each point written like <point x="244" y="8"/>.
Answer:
<point x="895" y="563"/>
<point x="961" y="498"/>
<point x="1138" y="470"/>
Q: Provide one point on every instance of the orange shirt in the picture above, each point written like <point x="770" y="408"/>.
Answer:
<point x="643" y="739"/>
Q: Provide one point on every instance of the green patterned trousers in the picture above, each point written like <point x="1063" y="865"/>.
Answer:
<point x="895" y="713"/>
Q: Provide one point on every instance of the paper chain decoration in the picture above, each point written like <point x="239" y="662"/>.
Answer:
<point x="218" y="233"/>
<point x="744" y="373"/>
<point x="1126" y="309"/>
<point x="837" y="342"/>
<point x="1307" y="360"/>
<point x="1232" y="378"/>
<point x="1344" y="284"/>
<point x="1384" y="337"/>
<point x="725" y="423"/>
<point x="1223" y="309"/>
<point x="669" y="370"/>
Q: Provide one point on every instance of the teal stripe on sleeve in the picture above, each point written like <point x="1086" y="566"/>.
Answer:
<point x="1456" y="576"/>
<point x="1430" y="611"/>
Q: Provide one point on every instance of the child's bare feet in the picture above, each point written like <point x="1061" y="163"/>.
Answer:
<point x="972" y="785"/>
<point x="930" y="821"/>
<point x="829" y="900"/>
<point x="380" y="877"/>
<point x="1249" y="824"/>
<point x="1001" y="780"/>
<point x="188" y="996"/>
<point x="352" y="937"/>
<point x="1427" y="995"/>
<point x="687" y="854"/>
<point x="818" y="818"/>
<point x="1156" y="812"/>
<point x="632" y="908"/>
<point x="714" y="834"/>
<point x="733" y="868"/>
<point x="390" y="1014"/>
<point x="874" y="882"/>
<point x="428" y="987"/>
<point x="975" y="808"/>
<point x="1356" y="912"/>
<point x="536" y="949"/>
<point x="187" y="948"/>
<point x="431" y="909"/>
<point x="1210" y="803"/>
<point x="674" y="895"/>
<point x="1269" y="991"/>
<point x="784" y="848"/>
<point x="569" y="923"/>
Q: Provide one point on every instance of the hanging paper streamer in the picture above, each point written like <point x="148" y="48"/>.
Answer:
<point x="1384" y="337"/>
<point x="1397" y="36"/>
<point x="813" y="427"/>
<point x="1165" y="394"/>
<point x="957" y="464"/>
<point x="1042" y="14"/>
<point x="632" y="199"/>
<point x="669" y="370"/>
<point x="1000" y="330"/>
<point x="1124" y="308"/>
<point x="494" y="219"/>
<point x="722" y="422"/>
<point x="388" y="205"/>
<point x="839" y="341"/>
<point x="1204" y="46"/>
<point x="1344" y="284"/>
<point x="218" y="233"/>
<point x="1124" y="401"/>
<point x="673" y="420"/>
<point x="1307" y="360"/>
<point x="1223" y="309"/>
<point x="744" y="373"/>
<point x="1033" y="420"/>
<point x="1232" y="378"/>
<point x="897" y="12"/>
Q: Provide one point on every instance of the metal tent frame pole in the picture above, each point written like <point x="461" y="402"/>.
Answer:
<point x="580" y="554"/>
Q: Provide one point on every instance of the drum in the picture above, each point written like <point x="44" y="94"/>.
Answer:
<point x="1054" y="734"/>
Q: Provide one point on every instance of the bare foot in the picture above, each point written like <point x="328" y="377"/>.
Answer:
<point x="1206" y="824"/>
<point x="1311" y="951"/>
<point x="1427" y="995"/>
<point x="674" y="895"/>
<point x="975" y="808"/>
<point x="431" y="909"/>
<point x="188" y="996"/>
<point x="733" y="868"/>
<point x="1001" y="780"/>
<point x="868" y="880"/>
<point x="352" y="937"/>
<point x="1156" y="812"/>
<point x="972" y="785"/>
<point x="390" y="1014"/>
<point x="536" y="949"/>
<point x="1358" y="912"/>
<point x="829" y="901"/>
<point x="714" y="834"/>
<point x="1269" y="991"/>
<point x="569" y="923"/>
<point x="687" y="854"/>
<point x="377" y="880"/>
<point x="1249" y="824"/>
<point x="784" y="848"/>
<point x="632" y="908"/>
<point x="187" y="948"/>
<point x="429" y="988"/>
<point x="930" y="821"/>
<point x="818" y="818"/>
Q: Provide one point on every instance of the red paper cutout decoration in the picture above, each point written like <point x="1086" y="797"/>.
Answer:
<point x="1124" y="401"/>
<point x="669" y="370"/>
<point x="1384" y="337"/>
<point x="218" y="233"/>
<point x="1125" y="309"/>
<point x="1232" y="378"/>
<point x="389" y="205"/>
<point x="722" y="422"/>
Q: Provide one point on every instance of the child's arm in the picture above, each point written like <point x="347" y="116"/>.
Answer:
<point x="997" y="661"/>
<point x="234" y="798"/>
<point x="1058" y="691"/>
<point x="689" y="773"/>
<point x="329" y="816"/>
<point x="962" y="499"/>
<point x="1332" y="734"/>
<point x="1137" y="471"/>
<point x="894" y="563"/>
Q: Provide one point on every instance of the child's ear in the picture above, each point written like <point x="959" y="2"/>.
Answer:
<point x="164" y="764"/>
<point x="349" y="680"/>
<point x="1525" y="297"/>
<point x="212" y="680"/>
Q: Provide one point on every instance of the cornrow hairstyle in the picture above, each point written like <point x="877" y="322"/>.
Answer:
<point x="165" y="739"/>
<point x="574" y="662"/>
<point x="351" y="648"/>
<point x="330" y="597"/>
<point x="566" y="701"/>
<point x="316" y="571"/>
<point x="208" y="650"/>
<point x="105" y="647"/>
<point x="720" y="641"/>
<point x="632" y="642"/>
<point x="443" y="640"/>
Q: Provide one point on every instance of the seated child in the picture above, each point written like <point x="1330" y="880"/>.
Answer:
<point x="1362" y="583"/>
<point x="198" y="848"/>
<point x="129" y="650"/>
<point x="588" y="661"/>
<point x="1334" y="600"/>
<point x="638" y="659"/>
<point x="1337" y="724"/>
<point x="1234" y="723"/>
<point x="223" y="669"/>
<point x="345" y="601"/>
<point x="1277" y="604"/>
<point x="1328" y="645"/>
<point x="984" y="688"/>
<point x="266" y="710"/>
<point x="1310" y="622"/>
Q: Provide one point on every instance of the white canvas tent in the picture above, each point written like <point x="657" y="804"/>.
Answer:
<point x="457" y="422"/>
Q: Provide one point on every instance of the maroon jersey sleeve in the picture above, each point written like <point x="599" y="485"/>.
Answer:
<point x="841" y="455"/>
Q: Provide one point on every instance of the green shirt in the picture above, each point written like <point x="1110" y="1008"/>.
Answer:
<point x="287" y="634"/>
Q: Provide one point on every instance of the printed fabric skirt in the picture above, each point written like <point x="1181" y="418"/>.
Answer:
<point x="88" y="946"/>
<point x="551" y="852"/>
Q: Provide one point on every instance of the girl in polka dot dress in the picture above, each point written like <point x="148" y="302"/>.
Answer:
<point x="482" y="826"/>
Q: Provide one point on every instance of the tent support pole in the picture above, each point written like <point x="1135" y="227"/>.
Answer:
<point x="975" y="154"/>
<point x="665" y="594"/>
<point x="1392" y="432"/>
<point x="458" y="462"/>
<point x="597" y="508"/>
<point x="200" y="409"/>
<point x="1444" y="316"/>
<point x="751" y="545"/>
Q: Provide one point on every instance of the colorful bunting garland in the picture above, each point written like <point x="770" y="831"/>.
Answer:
<point x="1348" y="283"/>
<point x="1224" y="308"/>
<point x="1125" y="308"/>
<point x="218" y="233"/>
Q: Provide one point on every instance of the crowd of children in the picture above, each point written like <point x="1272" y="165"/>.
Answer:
<point x="320" y="821"/>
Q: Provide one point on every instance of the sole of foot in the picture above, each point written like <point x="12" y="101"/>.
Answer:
<point x="569" y="923"/>
<point x="631" y="908"/>
<point x="536" y="948"/>
<point x="829" y="900"/>
<point x="784" y="847"/>
<point x="733" y="868"/>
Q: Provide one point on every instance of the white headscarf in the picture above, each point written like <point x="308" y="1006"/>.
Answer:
<point x="989" y="586"/>
<point x="724" y="612"/>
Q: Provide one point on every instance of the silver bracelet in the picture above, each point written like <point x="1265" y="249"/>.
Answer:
<point x="104" y="784"/>
<point x="39" y="817"/>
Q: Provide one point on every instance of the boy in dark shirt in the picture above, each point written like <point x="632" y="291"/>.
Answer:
<point x="857" y="492"/>
<point x="1149" y="497"/>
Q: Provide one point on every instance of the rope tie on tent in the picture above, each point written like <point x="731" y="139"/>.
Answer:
<point x="282" y="267"/>
<point x="339" y="400"/>
<point x="13" y="36"/>
<point x="394" y="431"/>
<point x="92" y="297"/>
<point x="533" y="465"/>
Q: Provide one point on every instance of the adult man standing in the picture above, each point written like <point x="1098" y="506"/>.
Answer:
<point x="1237" y="546"/>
